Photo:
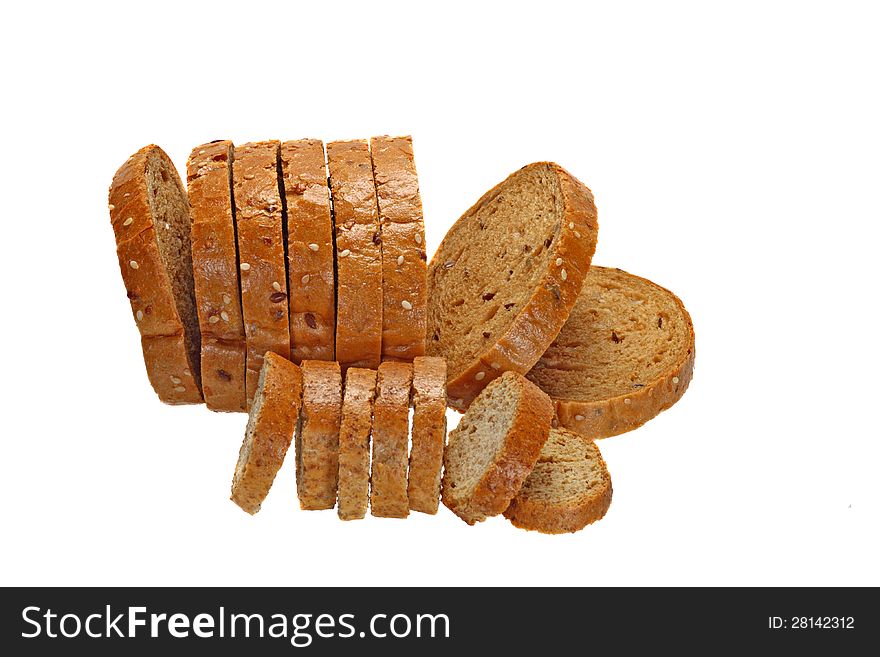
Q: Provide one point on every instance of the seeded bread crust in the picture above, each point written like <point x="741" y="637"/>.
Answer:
<point x="354" y="443"/>
<point x="358" y="255"/>
<point x="541" y="318"/>
<point x="262" y="268"/>
<point x="428" y="433"/>
<point x="404" y="260"/>
<point x="616" y="415"/>
<point x="388" y="497"/>
<point x="311" y="277"/>
<point x="172" y="368"/>
<point x="215" y="273"/>
<point x="317" y="435"/>
<point x="270" y="429"/>
<point x="514" y="461"/>
<point x="559" y="516"/>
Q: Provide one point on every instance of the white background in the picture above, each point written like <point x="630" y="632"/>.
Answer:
<point x="734" y="158"/>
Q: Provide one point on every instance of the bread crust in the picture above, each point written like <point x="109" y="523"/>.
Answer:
<point x="273" y="426"/>
<point x="311" y="276"/>
<point x="171" y="371"/>
<point x="263" y="273"/>
<point x="388" y="496"/>
<point x="317" y="442"/>
<point x="538" y="322"/>
<point x="354" y="443"/>
<point x="428" y="433"/>
<point x="404" y="260"/>
<point x="514" y="461"/>
<point x="215" y="274"/>
<point x="358" y="255"/>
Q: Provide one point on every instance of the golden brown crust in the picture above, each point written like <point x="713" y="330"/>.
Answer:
<point x="388" y="497"/>
<point x="273" y="428"/>
<point x="358" y="255"/>
<point x="428" y="433"/>
<point x="147" y="283"/>
<point x="317" y="456"/>
<point x="354" y="443"/>
<point x="311" y="277"/>
<point x="215" y="274"/>
<point x="404" y="261"/>
<point x="262" y="268"/>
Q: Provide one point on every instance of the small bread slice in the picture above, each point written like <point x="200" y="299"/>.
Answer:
<point x="354" y="443"/>
<point x="494" y="447"/>
<point x="215" y="273"/>
<point x="428" y="433"/>
<point x="506" y="276"/>
<point x="270" y="428"/>
<point x="150" y="218"/>
<point x="358" y="255"/>
<point x="625" y="354"/>
<point x="404" y="260"/>
<point x="388" y="498"/>
<point x="568" y="489"/>
<point x="317" y="435"/>
<point x="311" y="277"/>
<point x="263" y="272"/>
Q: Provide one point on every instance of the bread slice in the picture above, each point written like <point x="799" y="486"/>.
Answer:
<point x="568" y="489"/>
<point x="388" y="498"/>
<point x="215" y="274"/>
<point x="404" y="262"/>
<point x="270" y="427"/>
<point x="354" y="443"/>
<point x="494" y="447"/>
<point x="625" y="354"/>
<point x="506" y="276"/>
<point x="258" y="207"/>
<point x="317" y="435"/>
<point x="310" y="270"/>
<point x="150" y="218"/>
<point x="358" y="255"/>
<point x="428" y="433"/>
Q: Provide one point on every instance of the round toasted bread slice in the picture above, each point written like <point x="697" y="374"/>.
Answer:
<point x="568" y="489"/>
<point x="270" y="427"/>
<point x="388" y="497"/>
<point x="428" y="433"/>
<point x="494" y="447"/>
<point x="625" y="354"/>
<point x="354" y="443"/>
<point x="317" y="435"/>
<point x="506" y="276"/>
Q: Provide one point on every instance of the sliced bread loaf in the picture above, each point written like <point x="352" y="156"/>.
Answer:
<point x="358" y="255"/>
<point x="258" y="207"/>
<point x="215" y="274"/>
<point x="311" y="277"/>
<point x="317" y="435"/>
<point x="494" y="447"/>
<point x="388" y="498"/>
<point x="428" y="433"/>
<point x="404" y="263"/>
<point x="568" y="489"/>
<point x="270" y="428"/>
<point x="150" y="218"/>
<point x="354" y="443"/>
<point x="625" y="354"/>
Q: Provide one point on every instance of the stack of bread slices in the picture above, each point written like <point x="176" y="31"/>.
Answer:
<point x="291" y="281"/>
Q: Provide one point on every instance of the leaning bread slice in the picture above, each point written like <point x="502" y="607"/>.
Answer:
<point x="428" y="433"/>
<point x="494" y="447"/>
<point x="317" y="435"/>
<point x="150" y="218"/>
<point x="354" y="443"/>
<point x="215" y="273"/>
<point x="310" y="271"/>
<point x="388" y="498"/>
<point x="506" y="276"/>
<point x="625" y="354"/>
<point x="270" y="428"/>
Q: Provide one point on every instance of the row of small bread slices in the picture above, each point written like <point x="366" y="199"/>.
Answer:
<point x="497" y="461"/>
